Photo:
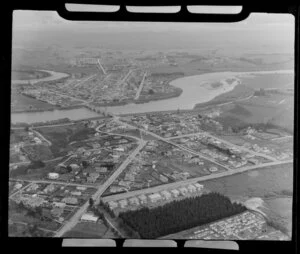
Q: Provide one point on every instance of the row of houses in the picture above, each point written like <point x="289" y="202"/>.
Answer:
<point x="156" y="197"/>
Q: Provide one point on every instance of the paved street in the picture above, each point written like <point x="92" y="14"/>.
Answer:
<point x="76" y="217"/>
<point x="189" y="181"/>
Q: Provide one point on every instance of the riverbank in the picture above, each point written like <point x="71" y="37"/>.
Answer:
<point x="52" y="76"/>
<point x="28" y="74"/>
<point x="193" y="90"/>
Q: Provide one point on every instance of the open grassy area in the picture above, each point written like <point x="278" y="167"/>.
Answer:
<point x="24" y="103"/>
<point x="88" y="230"/>
<point x="61" y="136"/>
<point x="269" y="81"/>
<point x="26" y="74"/>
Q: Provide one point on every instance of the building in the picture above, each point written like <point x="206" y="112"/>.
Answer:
<point x="191" y="188"/>
<point x="82" y="188"/>
<point x="76" y="193"/>
<point x="18" y="186"/>
<point x="123" y="203"/>
<point x="57" y="211"/>
<point x="183" y="191"/>
<point x="92" y="177"/>
<point x="112" y="205"/>
<point x="167" y="195"/>
<point x="74" y="166"/>
<point x="59" y="204"/>
<point x="53" y="175"/>
<point x="134" y="201"/>
<point x="198" y="186"/>
<point x="101" y="169"/>
<point x="175" y="193"/>
<point x="143" y="198"/>
<point x="70" y="200"/>
<point x="213" y="169"/>
<point x="87" y="217"/>
<point x="163" y="178"/>
<point x="154" y="197"/>
<point x="119" y="149"/>
<point x="49" y="188"/>
<point x="37" y="140"/>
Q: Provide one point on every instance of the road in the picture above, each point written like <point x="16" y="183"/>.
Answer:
<point x="96" y="87"/>
<point x="227" y="143"/>
<point x="189" y="181"/>
<point x="140" y="87"/>
<point x="48" y="182"/>
<point x="76" y="217"/>
<point x="85" y="80"/>
<point x="282" y="138"/>
<point x="98" y="60"/>
<point x="67" y="96"/>
<point x="124" y="79"/>
<point x="20" y="190"/>
<point x="28" y="162"/>
<point x="174" y="144"/>
<point x="42" y="137"/>
<point x="117" y="134"/>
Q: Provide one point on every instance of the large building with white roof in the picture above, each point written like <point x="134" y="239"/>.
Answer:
<point x="89" y="217"/>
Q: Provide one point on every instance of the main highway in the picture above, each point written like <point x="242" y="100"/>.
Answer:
<point x="76" y="217"/>
<point x="140" y="87"/>
<point x="190" y="181"/>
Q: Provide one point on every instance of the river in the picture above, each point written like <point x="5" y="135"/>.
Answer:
<point x="53" y="76"/>
<point x="43" y="116"/>
<point x="196" y="89"/>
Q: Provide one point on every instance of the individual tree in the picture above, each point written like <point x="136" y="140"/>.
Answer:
<point x="91" y="202"/>
<point x="69" y="169"/>
<point x="85" y="164"/>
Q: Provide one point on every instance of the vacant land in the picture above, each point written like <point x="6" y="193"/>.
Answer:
<point x="21" y="103"/>
<point x="239" y="92"/>
<point x="61" y="136"/>
<point x="269" y="81"/>
<point x="88" y="230"/>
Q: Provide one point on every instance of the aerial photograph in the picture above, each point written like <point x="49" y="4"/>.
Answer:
<point x="151" y="130"/>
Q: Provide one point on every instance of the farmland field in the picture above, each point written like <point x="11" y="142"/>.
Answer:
<point x="269" y="81"/>
<point x="21" y="103"/>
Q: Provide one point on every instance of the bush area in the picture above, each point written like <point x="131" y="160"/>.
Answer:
<point x="61" y="137"/>
<point x="38" y="152"/>
<point x="180" y="215"/>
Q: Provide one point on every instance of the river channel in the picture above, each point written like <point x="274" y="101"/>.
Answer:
<point x="195" y="89"/>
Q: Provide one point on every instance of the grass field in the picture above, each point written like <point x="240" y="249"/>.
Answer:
<point x="88" y="230"/>
<point x="269" y="81"/>
<point x="22" y="103"/>
<point x="276" y="109"/>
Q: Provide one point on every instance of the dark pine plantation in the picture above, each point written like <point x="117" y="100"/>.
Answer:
<point x="180" y="215"/>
